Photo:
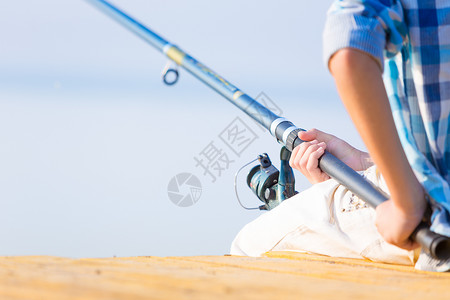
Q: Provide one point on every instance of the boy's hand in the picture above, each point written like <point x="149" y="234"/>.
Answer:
<point x="396" y="224"/>
<point x="305" y="157"/>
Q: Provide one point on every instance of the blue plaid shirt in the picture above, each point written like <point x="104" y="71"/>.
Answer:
<point x="410" y="39"/>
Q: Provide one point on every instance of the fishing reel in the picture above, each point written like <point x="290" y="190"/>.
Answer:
<point x="270" y="185"/>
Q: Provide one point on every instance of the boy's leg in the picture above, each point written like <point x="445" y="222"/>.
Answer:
<point x="325" y="219"/>
<point x="308" y="210"/>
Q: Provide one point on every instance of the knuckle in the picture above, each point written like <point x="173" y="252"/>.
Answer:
<point x="293" y="164"/>
<point x="304" y="164"/>
<point x="297" y="163"/>
<point x="316" y="154"/>
<point x="304" y="145"/>
<point x="312" y="166"/>
<point x="311" y="169"/>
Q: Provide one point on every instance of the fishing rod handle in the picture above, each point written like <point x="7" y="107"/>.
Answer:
<point x="435" y="244"/>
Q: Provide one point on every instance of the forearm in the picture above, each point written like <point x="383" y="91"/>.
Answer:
<point x="360" y="85"/>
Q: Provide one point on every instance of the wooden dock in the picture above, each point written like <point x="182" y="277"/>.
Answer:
<point x="279" y="275"/>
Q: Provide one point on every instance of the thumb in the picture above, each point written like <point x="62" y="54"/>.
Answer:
<point x="307" y="136"/>
<point x="314" y="134"/>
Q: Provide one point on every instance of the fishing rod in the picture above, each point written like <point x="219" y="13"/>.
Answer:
<point x="285" y="132"/>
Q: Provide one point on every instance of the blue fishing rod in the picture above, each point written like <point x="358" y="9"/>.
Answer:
<point x="285" y="132"/>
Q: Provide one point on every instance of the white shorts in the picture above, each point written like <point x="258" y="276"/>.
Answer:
<point x="325" y="219"/>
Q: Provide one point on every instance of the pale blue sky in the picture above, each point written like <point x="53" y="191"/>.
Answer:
<point x="90" y="137"/>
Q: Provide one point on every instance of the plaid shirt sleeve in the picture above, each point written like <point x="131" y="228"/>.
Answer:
<point x="374" y="27"/>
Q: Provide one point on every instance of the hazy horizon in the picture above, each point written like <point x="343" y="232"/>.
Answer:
<point x="90" y="136"/>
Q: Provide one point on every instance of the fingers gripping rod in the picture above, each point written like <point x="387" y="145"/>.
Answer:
<point x="283" y="130"/>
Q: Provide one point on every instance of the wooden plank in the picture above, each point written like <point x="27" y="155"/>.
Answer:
<point x="281" y="276"/>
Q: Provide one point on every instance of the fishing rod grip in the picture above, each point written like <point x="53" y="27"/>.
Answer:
<point x="435" y="244"/>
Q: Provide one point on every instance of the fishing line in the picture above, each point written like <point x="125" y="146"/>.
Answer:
<point x="235" y="186"/>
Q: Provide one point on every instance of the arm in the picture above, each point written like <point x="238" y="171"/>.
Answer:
<point x="359" y="82"/>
